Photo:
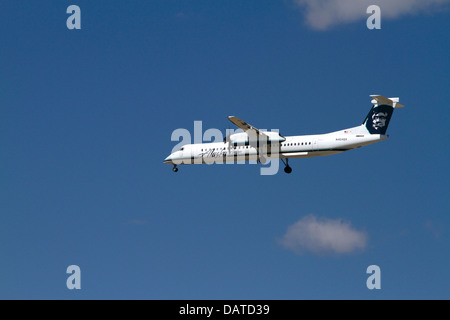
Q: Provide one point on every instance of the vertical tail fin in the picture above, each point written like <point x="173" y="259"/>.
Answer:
<point x="377" y="120"/>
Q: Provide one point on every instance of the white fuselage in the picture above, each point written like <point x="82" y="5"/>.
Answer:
<point x="292" y="147"/>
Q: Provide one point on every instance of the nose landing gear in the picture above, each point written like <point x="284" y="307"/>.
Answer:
<point x="175" y="169"/>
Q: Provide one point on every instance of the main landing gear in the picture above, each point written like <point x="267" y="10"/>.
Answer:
<point x="287" y="168"/>
<point x="175" y="169"/>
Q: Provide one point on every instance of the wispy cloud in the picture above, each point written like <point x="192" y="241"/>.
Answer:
<point x="323" y="236"/>
<point x="322" y="14"/>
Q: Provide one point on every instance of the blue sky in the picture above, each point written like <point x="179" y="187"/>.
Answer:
<point x="87" y="117"/>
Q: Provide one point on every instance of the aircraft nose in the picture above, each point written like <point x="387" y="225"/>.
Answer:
<point x="168" y="160"/>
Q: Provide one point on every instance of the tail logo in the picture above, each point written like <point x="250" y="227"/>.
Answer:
<point x="379" y="120"/>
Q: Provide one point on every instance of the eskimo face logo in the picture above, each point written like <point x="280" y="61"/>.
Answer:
<point x="379" y="120"/>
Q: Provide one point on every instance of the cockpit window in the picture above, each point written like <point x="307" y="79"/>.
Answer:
<point x="181" y="149"/>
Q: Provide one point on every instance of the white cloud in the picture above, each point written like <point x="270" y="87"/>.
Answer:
<point x="322" y="14"/>
<point x="323" y="236"/>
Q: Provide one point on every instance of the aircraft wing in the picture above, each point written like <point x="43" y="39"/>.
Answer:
<point x="249" y="129"/>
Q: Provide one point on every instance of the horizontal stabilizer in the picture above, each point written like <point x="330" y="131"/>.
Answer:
<point x="380" y="100"/>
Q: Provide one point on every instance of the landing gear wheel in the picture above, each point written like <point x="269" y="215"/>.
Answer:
<point x="287" y="169"/>
<point x="175" y="169"/>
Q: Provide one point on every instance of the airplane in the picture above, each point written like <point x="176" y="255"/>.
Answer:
<point x="254" y="144"/>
